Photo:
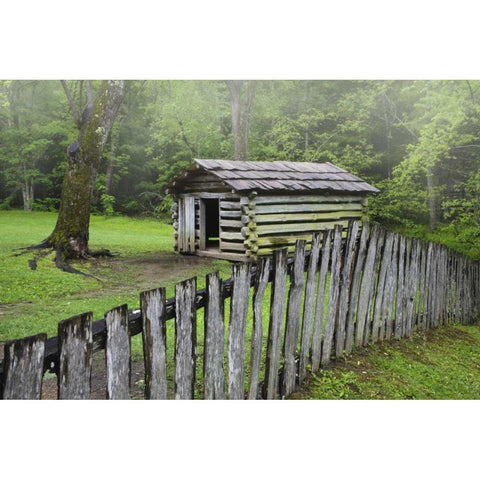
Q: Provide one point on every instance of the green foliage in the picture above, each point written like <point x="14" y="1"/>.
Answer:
<point x="107" y="202"/>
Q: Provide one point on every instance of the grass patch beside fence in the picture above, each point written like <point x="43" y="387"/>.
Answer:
<point x="444" y="363"/>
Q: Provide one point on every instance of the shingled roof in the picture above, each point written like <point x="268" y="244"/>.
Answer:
<point x="283" y="176"/>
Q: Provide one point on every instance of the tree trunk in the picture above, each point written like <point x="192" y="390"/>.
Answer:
<point x="241" y="101"/>
<point x="71" y="233"/>
<point x="432" y="206"/>
<point x="27" y="194"/>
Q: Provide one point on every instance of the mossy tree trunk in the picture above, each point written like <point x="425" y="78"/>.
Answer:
<point x="71" y="233"/>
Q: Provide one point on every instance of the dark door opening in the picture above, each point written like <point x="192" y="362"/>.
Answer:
<point x="212" y="223"/>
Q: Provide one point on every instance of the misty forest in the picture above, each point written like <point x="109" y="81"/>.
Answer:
<point x="418" y="142"/>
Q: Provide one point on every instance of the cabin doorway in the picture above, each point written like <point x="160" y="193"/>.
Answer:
<point x="209" y="224"/>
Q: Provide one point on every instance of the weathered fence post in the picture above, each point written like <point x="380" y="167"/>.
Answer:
<point x="185" y="338"/>
<point x="23" y="368"/>
<point x="332" y="311"/>
<point x="277" y="309"/>
<point x="117" y="354"/>
<point x="75" y="363"/>
<point x="214" y="339"/>
<point x="292" y="325"/>
<point x="152" y="304"/>
<point x="261" y="282"/>
<point x="320" y="304"/>
<point x="237" y="329"/>
<point x="308" y="307"/>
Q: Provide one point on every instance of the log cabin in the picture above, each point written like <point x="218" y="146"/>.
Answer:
<point x="239" y="210"/>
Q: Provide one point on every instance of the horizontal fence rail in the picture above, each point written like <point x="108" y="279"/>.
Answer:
<point x="342" y="290"/>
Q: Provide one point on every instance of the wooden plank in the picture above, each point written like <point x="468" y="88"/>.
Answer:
<point x="347" y="275"/>
<point x="237" y="330"/>
<point x="308" y="308"/>
<point x="230" y="214"/>
<point x="23" y="368"/>
<point x="75" y="357"/>
<point x="306" y="217"/>
<point x="264" y="199"/>
<point x="282" y="240"/>
<point x="214" y="338"/>
<point x="117" y="354"/>
<point x="373" y="289"/>
<point x="320" y="302"/>
<point x="292" y="326"/>
<point x="421" y="294"/>
<point x="378" y="311"/>
<point x="298" y="227"/>
<point x="308" y="207"/>
<point x="231" y="223"/>
<point x="202" y="225"/>
<point x="332" y="312"/>
<point x="277" y="308"/>
<point x="391" y="287"/>
<point x="224" y="205"/>
<point x="152" y="304"/>
<point x="354" y="292"/>
<point x="232" y="236"/>
<point x="185" y="339"/>
<point x="400" y="297"/>
<point x="236" y="257"/>
<point x="237" y="247"/>
<point x="367" y="283"/>
<point x="261" y="282"/>
<point x="412" y="287"/>
<point x="208" y="195"/>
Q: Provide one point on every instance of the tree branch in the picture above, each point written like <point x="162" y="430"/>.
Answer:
<point x="77" y="118"/>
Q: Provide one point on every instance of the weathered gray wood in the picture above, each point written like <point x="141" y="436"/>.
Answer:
<point x="421" y="288"/>
<point x="391" y="288"/>
<point x="412" y="284"/>
<point x="299" y="227"/>
<point x="237" y="247"/>
<point x="292" y="325"/>
<point x="320" y="303"/>
<point x="186" y="224"/>
<point x="347" y="274"/>
<point x="400" y="298"/>
<point x="202" y="225"/>
<point x="231" y="223"/>
<point x="75" y="357"/>
<point x="373" y="289"/>
<point x="378" y="318"/>
<point x="230" y="214"/>
<point x="277" y="309"/>
<point x="282" y="199"/>
<point x="367" y="283"/>
<point x="307" y="217"/>
<point x="235" y="236"/>
<point x="23" y="368"/>
<point x="332" y="311"/>
<point x="224" y="205"/>
<point x="152" y="304"/>
<point x="261" y="282"/>
<point x="117" y="354"/>
<point x="237" y="329"/>
<point x="307" y="207"/>
<point x="308" y="307"/>
<point x="214" y="339"/>
<point x="354" y="291"/>
<point x="185" y="339"/>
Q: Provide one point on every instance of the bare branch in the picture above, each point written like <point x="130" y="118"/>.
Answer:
<point x="77" y="117"/>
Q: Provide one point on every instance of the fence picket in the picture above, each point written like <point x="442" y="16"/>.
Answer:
<point x="292" y="325"/>
<point x="185" y="338"/>
<point x="75" y="362"/>
<point x="237" y="330"/>
<point x="347" y="274"/>
<point x="332" y="311"/>
<point x="354" y="292"/>
<point x="277" y="308"/>
<point x="23" y="368"/>
<point x="320" y="303"/>
<point x="308" y="307"/>
<point x="152" y="304"/>
<point x="117" y="353"/>
<point x="214" y="339"/>
<point x="261" y="282"/>
<point x="367" y="284"/>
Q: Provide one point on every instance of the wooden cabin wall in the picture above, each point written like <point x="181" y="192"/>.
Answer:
<point x="277" y="221"/>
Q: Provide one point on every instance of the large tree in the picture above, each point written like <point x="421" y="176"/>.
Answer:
<point x="94" y="114"/>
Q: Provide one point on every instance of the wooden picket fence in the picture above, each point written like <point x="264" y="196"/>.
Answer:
<point x="344" y="292"/>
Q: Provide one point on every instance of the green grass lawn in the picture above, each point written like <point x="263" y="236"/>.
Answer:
<point x="444" y="363"/>
<point x="33" y="301"/>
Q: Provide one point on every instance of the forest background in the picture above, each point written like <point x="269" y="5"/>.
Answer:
<point x="417" y="141"/>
